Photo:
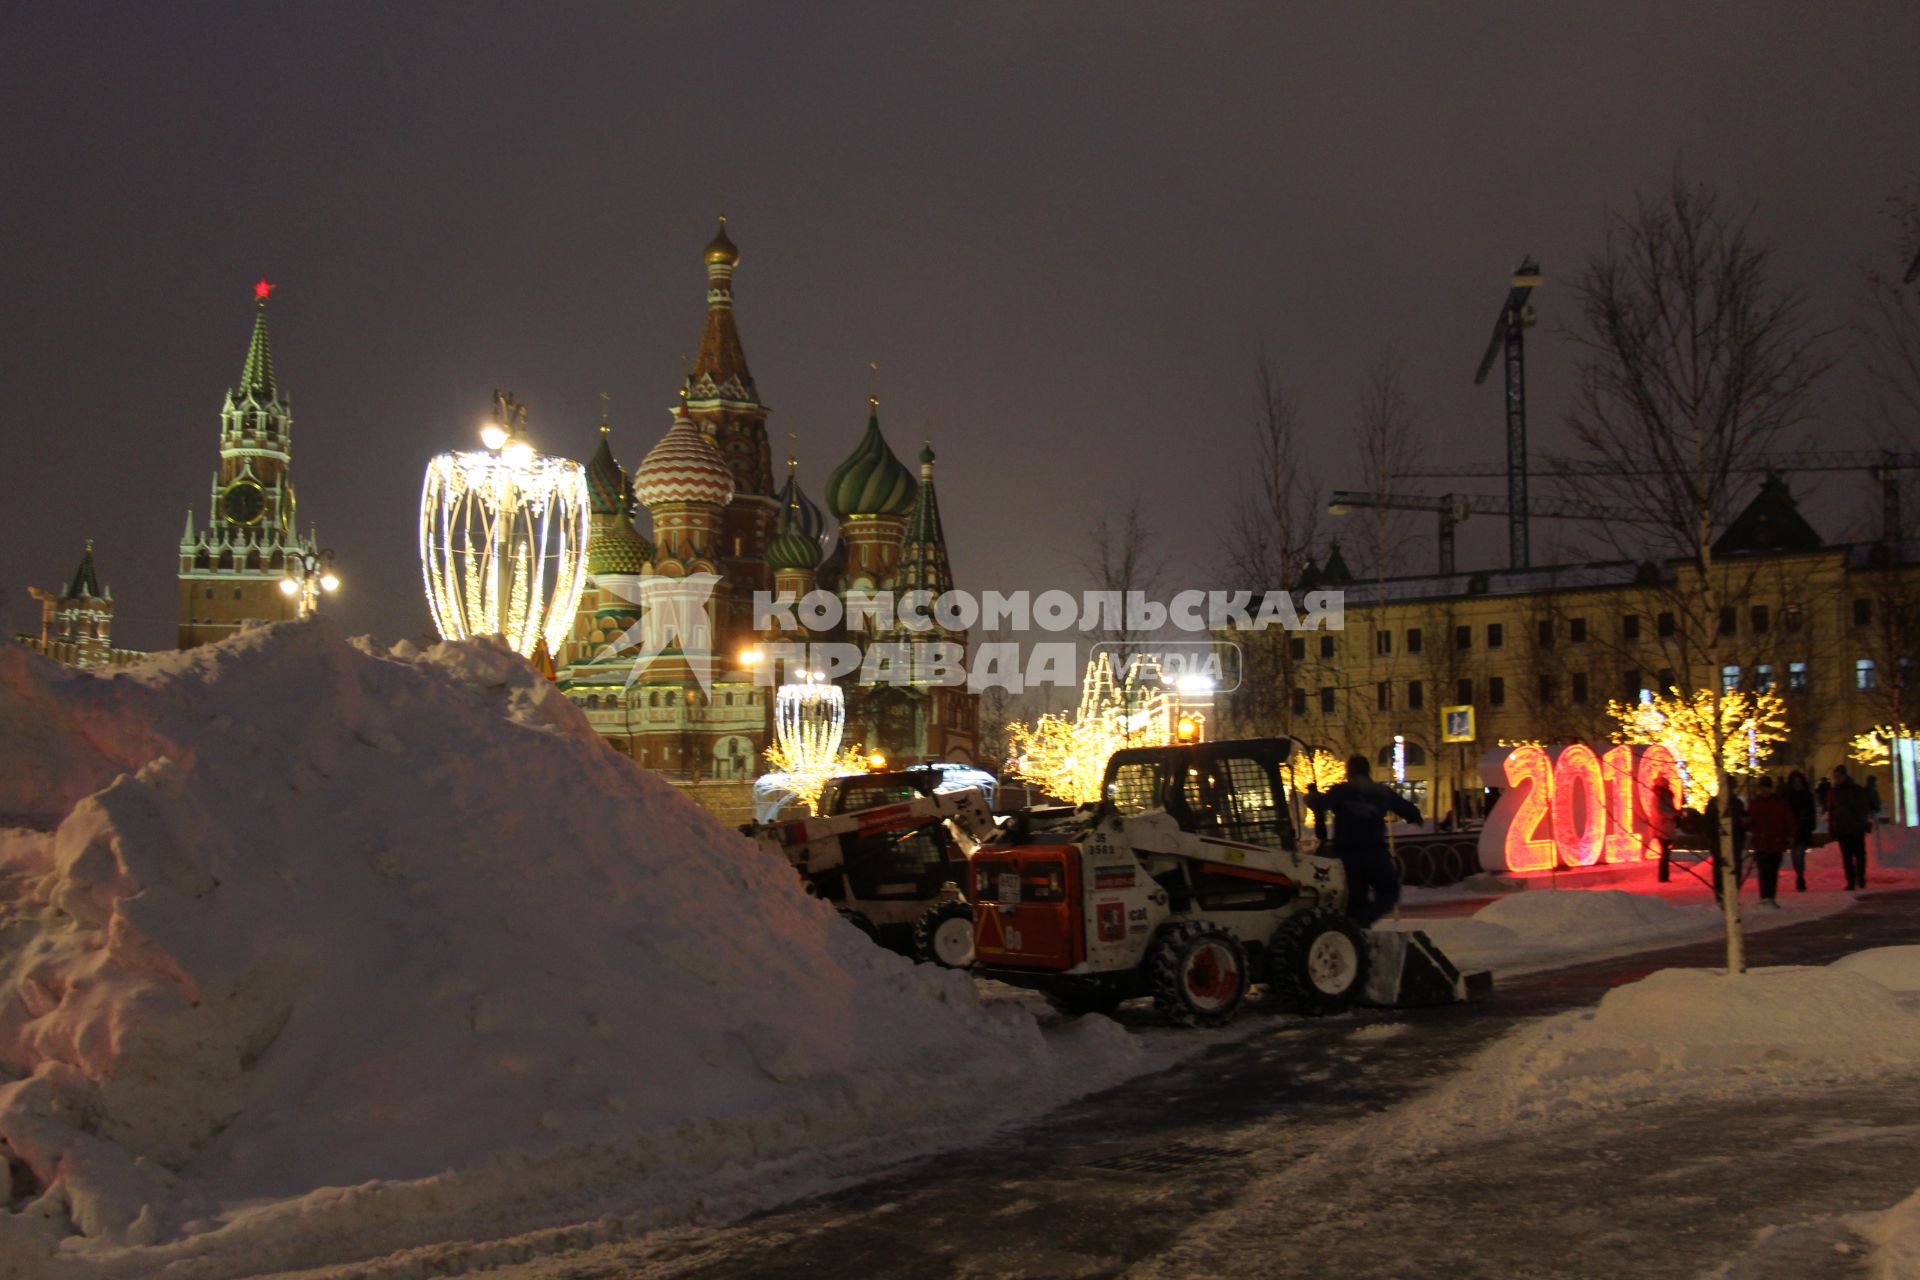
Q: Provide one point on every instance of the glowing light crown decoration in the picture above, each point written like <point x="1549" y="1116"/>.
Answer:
<point x="810" y="718"/>
<point x="503" y="538"/>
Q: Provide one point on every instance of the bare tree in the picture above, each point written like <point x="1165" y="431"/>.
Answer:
<point x="1692" y="362"/>
<point x="1266" y="544"/>
<point x="1892" y="338"/>
<point x="1387" y="451"/>
<point x="1122" y="556"/>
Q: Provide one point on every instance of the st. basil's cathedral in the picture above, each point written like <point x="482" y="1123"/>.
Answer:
<point x="708" y="489"/>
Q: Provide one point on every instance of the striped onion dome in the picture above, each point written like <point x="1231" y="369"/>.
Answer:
<point x="809" y="518"/>
<point x="871" y="482"/>
<point x="793" y="547"/>
<point x="684" y="467"/>
<point x="606" y="483"/>
<point x="617" y="547"/>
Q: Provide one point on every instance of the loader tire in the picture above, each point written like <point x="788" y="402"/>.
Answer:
<point x="944" y="935"/>
<point x="1317" y="963"/>
<point x="1078" y="1004"/>
<point x="1198" y="974"/>
<point x="859" y="921"/>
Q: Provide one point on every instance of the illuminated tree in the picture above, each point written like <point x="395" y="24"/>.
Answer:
<point x="1066" y="756"/>
<point x="807" y="778"/>
<point x="1875" y="746"/>
<point x="1750" y="726"/>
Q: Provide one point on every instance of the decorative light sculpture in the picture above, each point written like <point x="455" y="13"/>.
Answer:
<point x="810" y="719"/>
<point x="809" y="723"/>
<point x="503" y="538"/>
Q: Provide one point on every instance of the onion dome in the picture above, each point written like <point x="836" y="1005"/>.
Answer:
<point x="793" y="549"/>
<point x="606" y="482"/>
<point x="720" y="251"/>
<point x="617" y="547"/>
<point x="803" y="511"/>
<point x="684" y="467"/>
<point x="871" y="482"/>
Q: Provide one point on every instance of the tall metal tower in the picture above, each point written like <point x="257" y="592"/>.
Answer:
<point x="1516" y="316"/>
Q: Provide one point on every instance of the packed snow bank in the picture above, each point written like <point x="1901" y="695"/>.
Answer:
<point x="1895" y="968"/>
<point x="1685" y="1032"/>
<point x="1540" y="925"/>
<point x="284" y="914"/>
<point x="1895" y="1234"/>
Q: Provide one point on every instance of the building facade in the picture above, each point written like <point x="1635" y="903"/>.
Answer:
<point x="721" y="532"/>
<point x="1538" y="653"/>
<point x="232" y="567"/>
<point x="76" y="626"/>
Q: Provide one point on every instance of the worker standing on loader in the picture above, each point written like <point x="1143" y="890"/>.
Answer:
<point x="1359" y="808"/>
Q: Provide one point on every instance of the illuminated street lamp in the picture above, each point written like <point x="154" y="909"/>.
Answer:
<point x="503" y="538"/>
<point x="308" y="574"/>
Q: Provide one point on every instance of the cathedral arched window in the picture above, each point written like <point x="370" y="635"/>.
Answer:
<point x="226" y="559"/>
<point x="253" y="560"/>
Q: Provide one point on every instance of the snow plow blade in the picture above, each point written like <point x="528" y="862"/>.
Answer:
<point x="1406" y="971"/>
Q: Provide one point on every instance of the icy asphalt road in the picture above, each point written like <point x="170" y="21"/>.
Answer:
<point x="1254" y="1159"/>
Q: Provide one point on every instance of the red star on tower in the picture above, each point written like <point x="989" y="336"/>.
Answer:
<point x="262" y="289"/>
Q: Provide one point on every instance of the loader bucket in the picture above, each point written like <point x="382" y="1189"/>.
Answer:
<point x="1406" y="971"/>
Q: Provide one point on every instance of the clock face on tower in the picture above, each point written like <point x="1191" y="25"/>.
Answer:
<point x="243" y="502"/>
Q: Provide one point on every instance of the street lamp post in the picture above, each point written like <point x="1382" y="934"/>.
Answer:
<point x="308" y="574"/>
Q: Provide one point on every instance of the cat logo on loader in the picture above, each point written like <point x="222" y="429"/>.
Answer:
<point x="1186" y="883"/>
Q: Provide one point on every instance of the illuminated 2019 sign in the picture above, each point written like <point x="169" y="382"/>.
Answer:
<point x="1572" y="806"/>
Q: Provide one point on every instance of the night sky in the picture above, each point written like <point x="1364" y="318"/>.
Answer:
<point x="1064" y="233"/>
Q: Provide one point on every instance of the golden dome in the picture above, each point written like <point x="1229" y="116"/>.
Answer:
<point x="720" y="251"/>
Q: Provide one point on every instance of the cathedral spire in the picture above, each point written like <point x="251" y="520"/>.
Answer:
<point x="923" y="548"/>
<point x="720" y="369"/>
<point x="256" y="379"/>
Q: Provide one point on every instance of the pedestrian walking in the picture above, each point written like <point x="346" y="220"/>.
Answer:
<point x="1663" y="820"/>
<point x="1849" y="820"/>
<point x="1770" y="830"/>
<point x="1359" y="808"/>
<point x="1805" y="818"/>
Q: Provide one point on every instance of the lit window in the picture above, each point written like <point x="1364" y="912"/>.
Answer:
<point x="1865" y="674"/>
<point x="1729" y="678"/>
<point x="1797" y="680"/>
<point x="1763" y="678"/>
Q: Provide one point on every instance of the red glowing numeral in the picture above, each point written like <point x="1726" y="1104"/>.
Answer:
<point x="1528" y="776"/>
<point x="1658" y="768"/>
<point x="1579" y="806"/>
<point x="1626" y="838"/>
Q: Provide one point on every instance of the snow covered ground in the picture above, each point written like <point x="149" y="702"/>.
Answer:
<point x="313" y="956"/>
<point x="312" y="953"/>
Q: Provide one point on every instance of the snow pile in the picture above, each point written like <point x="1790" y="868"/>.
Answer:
<point x="1895" y="1234"/>
<point x="286" y="914"/>
<point x="1895" y="968"/>
<point x="1686" y="1032"/>
<point x="1542" y="924"/>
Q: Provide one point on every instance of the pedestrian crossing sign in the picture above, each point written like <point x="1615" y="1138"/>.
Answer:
<point x="1456" y="724"/>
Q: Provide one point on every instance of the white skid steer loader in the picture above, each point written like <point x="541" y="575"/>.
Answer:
<point x="1185" y="883"/>
<point x="894" y="870"/>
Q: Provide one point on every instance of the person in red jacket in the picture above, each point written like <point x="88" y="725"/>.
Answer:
<point x="1770" y="826"/>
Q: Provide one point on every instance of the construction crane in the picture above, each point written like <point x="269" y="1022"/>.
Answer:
<point x="1884" y="465"/>
<point x="1454" y="508"/>
<point x="1516" y="316"/>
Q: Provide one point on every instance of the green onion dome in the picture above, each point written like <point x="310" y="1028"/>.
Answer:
<point x="871" y="482"/>
<point x="618" y="548"/>
<point x="793" y="548"/>
<point x="606" y="482"/>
